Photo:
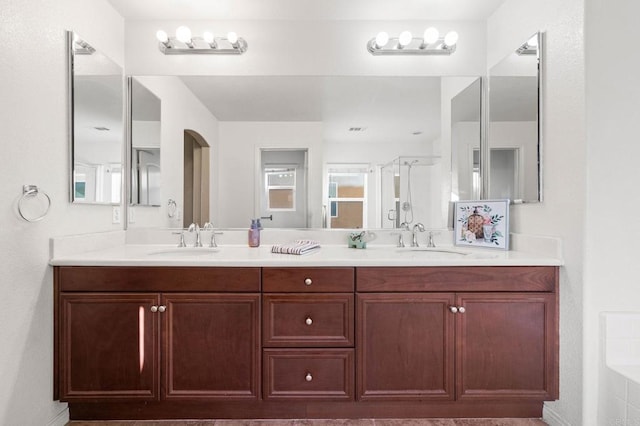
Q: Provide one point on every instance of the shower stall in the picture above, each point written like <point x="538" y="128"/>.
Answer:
<point x="409" y="191"/>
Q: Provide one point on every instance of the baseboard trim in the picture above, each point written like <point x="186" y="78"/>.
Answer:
<point x="61" y="419"/>
<point x="553" y="418"/>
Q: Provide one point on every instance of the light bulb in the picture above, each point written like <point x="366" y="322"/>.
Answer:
<point x="382" y="39"/>
<point x="451" y="38"/>
<point x="232" y="37"/>
<point x="431" y="35"/>
<point x="183" y="34"/>
<point x="208" y="37"/>
<point x="162" y="36"/>
<point x="405" y="38"/>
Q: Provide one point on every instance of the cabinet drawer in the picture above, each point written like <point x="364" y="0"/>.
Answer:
<point x="450" y="279"/>
<point x="308" y="374"/>
<point x="308" y="320"/>
<point x="160" y="278"/>
<point x="308" y="280"/>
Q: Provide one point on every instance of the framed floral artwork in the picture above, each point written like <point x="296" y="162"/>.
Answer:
<point x="483" y="223"/>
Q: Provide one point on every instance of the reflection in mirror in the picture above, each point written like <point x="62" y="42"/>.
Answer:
<point x="350" y="127"/>
<point x="283" y="194"/>
<point x="466" y="131"/>
<point x="345" y="203"/>
<point x="195" y="183"/>
<point x="514" y="142"/>
<point x="145" y="145"/>
<point x="406" y="192"/>
<point x="96" y="87"/>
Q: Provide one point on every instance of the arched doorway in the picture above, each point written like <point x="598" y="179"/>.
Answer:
<point x="196" y="179"/>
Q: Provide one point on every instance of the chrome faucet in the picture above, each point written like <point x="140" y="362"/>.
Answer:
<point x="419" y="227"/>
<point x="194" y="227"/>
<point x="209" y="227"/>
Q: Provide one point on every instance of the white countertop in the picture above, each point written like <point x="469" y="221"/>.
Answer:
<point x="327" y="255"/>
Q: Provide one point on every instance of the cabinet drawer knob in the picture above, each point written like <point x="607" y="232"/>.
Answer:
<point x="461" y="309"/>
<point x="154" y="308"/>
<point x="308" y="377"/>
<point x="162" y="308"/>
<point x="453" y="309"/>
<point x="308" y="321"/>
<point x="308" y="281"/>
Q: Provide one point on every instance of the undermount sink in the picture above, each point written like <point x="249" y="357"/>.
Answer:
<point x="184" y="252"/>
<point x="436" y="251"/>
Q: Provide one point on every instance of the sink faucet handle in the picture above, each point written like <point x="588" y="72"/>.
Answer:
<point x="431" y="243"/>
<point x="400" y="238"/>
<point x="209" y="227"/>
<point x="181" y="233"/>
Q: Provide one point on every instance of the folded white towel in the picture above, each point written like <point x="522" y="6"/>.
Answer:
<point x="296" y="247"/>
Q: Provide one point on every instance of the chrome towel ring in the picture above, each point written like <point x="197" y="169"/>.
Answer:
<point x="30" y="192"/>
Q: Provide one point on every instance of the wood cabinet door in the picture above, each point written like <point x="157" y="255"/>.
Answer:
<point x="211" y="345"/>
<point x="108" y="347"/>
<point x="405" y="346"/>
<point x="505" y="346"/>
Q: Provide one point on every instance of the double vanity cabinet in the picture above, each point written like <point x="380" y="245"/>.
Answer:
<point x="154" y="342"/>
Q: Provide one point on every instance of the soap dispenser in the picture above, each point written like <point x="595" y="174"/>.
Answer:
<point x="254" y="234"/>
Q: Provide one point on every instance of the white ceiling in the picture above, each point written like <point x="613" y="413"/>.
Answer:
<point x="307" y="9"/>
<point x="390" y="109"/>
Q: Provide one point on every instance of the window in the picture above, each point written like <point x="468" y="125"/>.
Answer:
<point x="280" y="188"/>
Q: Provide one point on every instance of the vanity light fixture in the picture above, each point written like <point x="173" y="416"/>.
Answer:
<point x="184" y="43"/>
<point x="81" y="47"/>
<point x="530" y="47"/>
<point x="431" y="43"/>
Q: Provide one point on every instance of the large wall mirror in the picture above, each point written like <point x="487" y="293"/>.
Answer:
<point x="145" y="119"/>
<point x="97" y="130"/>
<point x="514" y="143"/>
<point x="376" y="150"/>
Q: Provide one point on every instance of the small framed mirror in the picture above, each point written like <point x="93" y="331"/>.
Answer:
<point x="513" y="155"/>
<point x="96" y="124"/>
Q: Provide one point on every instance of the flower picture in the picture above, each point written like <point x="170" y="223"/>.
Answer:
<point x="483" y="223"/>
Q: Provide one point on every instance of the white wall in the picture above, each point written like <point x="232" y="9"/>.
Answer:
<point x="239" y="145"/>
<point x="180" y="111"/>
<point x="613" y="125"/>
<point x="562" y="213"/>
<point x="35" y="151"/>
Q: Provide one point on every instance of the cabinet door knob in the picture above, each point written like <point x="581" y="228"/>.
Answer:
<point x="461" y="309"/>
<point x="308" y="377"/>
<point x="162" y="308"/>
<point x="154" y="308"/>
<point x="308" y="281"/>
<point x="453" y="309"/>
<point x="308" y="321"/>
